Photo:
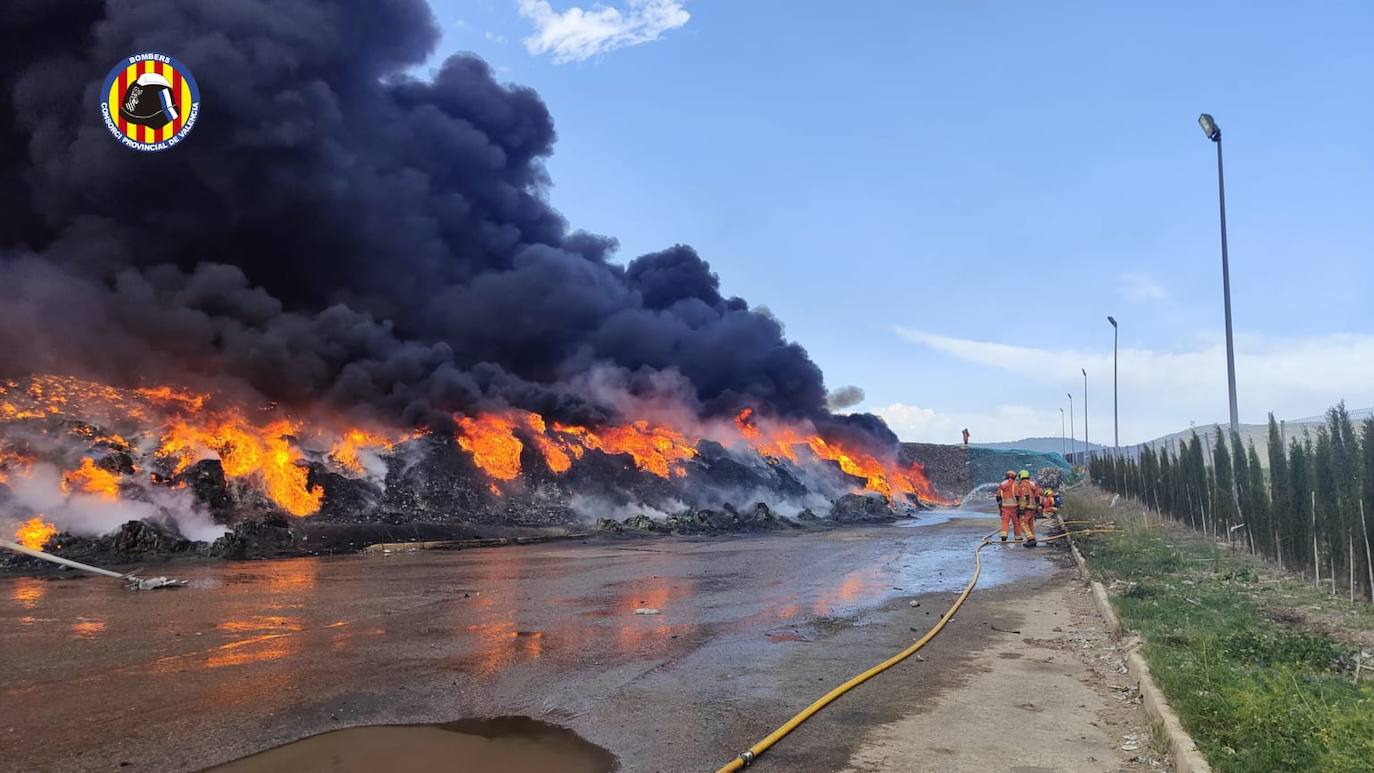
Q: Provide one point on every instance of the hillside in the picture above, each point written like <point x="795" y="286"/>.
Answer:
<point x="1249" y="433"/>
<point x="1252" y="433"/>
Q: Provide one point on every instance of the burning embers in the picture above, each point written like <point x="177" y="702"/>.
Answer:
<point x="114" y="445"/>
<point x="90" y="479"/>
<point x="35" y="533"/>
<point x="890" y="479"/>
<point x="656" y="450"/>
<point x="496" y="441"/>
<point x="267" y="454"/>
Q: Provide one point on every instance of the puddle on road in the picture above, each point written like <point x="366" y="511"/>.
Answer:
<point x="777" y="637"/>
<point x="506" y="744"/>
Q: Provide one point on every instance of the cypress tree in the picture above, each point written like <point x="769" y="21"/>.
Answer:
<point x="1280" y="494"/>
<point x="1257" y="502"/>
<point x="1367" y="455"/>
<point x="1345" y="456"/>
<point x="1178" y="501"/>
<point x="1330" y="535"/>
<point x="1167" y="503"/>
<point x="1300" y="488"/>
<point x="1346" y="467"/>
<point x="1195" y="475"/>
<point x="1223" y="487"/>
<point x="1366" y="510"/>
<point x="1150" y="475"/>
<point x="1241" y="470"/>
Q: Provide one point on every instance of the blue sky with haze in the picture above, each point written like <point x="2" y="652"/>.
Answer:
<point x="943" y="200"/>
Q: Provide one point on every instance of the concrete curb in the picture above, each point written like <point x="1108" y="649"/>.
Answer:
<point x="1187" y="757"/>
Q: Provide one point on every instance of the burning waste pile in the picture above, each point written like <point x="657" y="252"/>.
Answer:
<point x="346" y="300"/>
<point x="151" y="470"/>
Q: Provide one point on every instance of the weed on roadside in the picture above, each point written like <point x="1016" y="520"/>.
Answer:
<point x="1259" y="688"/>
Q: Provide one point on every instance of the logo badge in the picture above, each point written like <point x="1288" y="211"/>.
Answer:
<point x="150" y="102"/>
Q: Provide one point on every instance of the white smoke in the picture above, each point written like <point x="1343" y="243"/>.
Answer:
<point x="39" y="492"/>
<point x="818" y="504"/>
<point x="593" y="507"/>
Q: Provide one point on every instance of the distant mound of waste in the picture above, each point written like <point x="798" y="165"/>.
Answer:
<point x="955" y="470"/>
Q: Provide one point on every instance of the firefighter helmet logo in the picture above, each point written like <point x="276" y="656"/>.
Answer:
<point x="150" y="102"/>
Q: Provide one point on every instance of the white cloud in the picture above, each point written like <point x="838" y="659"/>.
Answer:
<point x="495" y="38"/>
<point x="577" y="34"/>
<point x="1142" y="288"/>
<point x="1161" y="391"/>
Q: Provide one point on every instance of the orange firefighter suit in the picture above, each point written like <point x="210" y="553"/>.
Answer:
<point x="1027" y="505"/>
<point x="1006" y="505"/>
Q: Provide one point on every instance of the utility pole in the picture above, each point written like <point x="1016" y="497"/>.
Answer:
<point x="1116" y="417"/>
<point x="1086" y="445"/>
<point x="1073" y="434"/>
<point x="1213" y="132"/>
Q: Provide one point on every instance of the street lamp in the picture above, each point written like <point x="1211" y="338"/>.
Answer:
<point x="1213" y="132"/>
<point x="1116" y="417"/>
<point x="1086" y="445"/>
<point x="1073" y="434"/>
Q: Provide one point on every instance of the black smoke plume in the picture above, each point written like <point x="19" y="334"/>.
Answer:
<point x="844" y="397"/>
<point x="336" y="230"/>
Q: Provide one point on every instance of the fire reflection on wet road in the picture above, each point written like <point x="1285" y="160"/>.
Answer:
<point x="256" y="654"/>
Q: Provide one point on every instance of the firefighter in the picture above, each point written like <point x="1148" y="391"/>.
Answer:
<point x="1027" y="503"/>
<point x="1006" y="505"/>
<point x="1049" y="503"/>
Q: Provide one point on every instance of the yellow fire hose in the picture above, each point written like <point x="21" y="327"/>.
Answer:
<point x="746" y="758"/>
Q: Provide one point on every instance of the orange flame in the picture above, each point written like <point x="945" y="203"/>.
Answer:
<point x="889" y="478"/>
<point x="745" y="422"/>
<point x="90" y="479"/>
<point x="491" y="440"/>
<point x="658" y="450"/>
<point x="12" y="413"/>
<point x="35" y="533"/>
<point x="185" y="426"/>
<point x="558" y="453"/>
<point x="188" y="400"/>
<point x="267" y="454"/>
<point x="185" y="431"/>
<point x="351" y="442"/>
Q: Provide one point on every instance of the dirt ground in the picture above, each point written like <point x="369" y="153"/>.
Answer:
<point x="1048" y="693"/>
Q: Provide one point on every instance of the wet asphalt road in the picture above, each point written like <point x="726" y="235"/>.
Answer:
<point x="253" y="655"/>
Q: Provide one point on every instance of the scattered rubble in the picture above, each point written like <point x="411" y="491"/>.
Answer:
<point x="862" y="508"/>
<point x="268" y="538"/>
<point x="641" y="522"/>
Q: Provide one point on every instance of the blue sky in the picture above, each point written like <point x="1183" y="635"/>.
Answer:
<point x="943" y="200"/>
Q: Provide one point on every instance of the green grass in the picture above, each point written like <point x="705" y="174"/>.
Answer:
<point x="1257" y="693"/>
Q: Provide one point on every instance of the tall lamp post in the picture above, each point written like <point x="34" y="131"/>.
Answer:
<point x="1213" y="132"/>
<point x="1063" y="441"/>
<point x="1073" y="434"/>
<point x="1116" y="417"/>
<point x="1086" y="445"/>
